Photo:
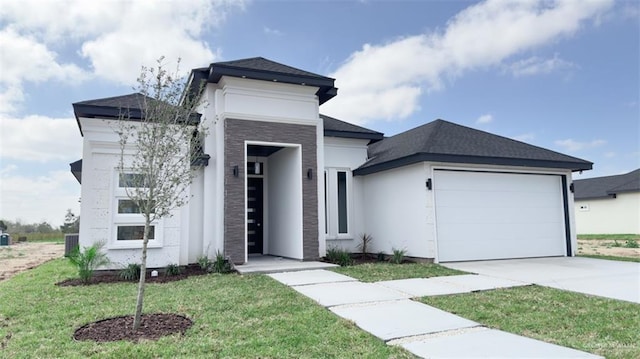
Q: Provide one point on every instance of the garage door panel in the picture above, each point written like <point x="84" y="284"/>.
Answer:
<point x="499" y="215"/>
<point x="482" y="215"/>
<point x="487" y="199"/>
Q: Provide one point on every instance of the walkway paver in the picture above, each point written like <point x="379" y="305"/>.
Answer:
<point x="330" y="294"/>
<point x="385" y="310"/>
<point x="422" y="287"/>
<point x="401" y="318"/>
<point x="489" y="343"/>
<point x="310" y="277"/>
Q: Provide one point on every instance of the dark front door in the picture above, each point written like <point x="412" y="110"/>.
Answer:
<point x="254" y="215"/>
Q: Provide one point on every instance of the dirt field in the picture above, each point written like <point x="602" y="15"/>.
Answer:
<point x="607" y="248"/>
<point x="24" y="255"/>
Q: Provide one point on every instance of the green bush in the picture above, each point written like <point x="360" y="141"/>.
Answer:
<point x="339" y="256"/>
<point x="205" y="263"/>
<point x="88" y="260"/>
<point x="631" y="243"/>
<point x="221" y="264"/>
<point x="130" y="272"/>
<point x="380" y="257"/>
<point x="398" y="256"/>
<point x="173" y="269"/>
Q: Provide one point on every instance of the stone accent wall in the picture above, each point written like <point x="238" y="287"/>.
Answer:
<point x="236" y="132"/>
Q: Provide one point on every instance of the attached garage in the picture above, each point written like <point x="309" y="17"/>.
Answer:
<point x="493" y="215"/>
<point x="452" y="193"/>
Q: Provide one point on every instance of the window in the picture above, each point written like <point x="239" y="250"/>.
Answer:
<point x="128" y="220"/>
<point x="132" y="180"/>
<point x="132" y="233"/>
<point x="337" y="185"/>
<point x="342" y="202"/>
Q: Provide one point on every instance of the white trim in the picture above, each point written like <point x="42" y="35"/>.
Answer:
<point x="332" y="217"/>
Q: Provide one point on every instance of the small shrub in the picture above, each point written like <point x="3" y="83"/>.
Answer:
<point x="172" y="269"/>
<point x="398" y="256"/>
<point x="205" y="263"/>
<point x="631" y="243"/>
<point x="130" y="272"/>
<point x="221" y="264"/>
<point x="365" y="244"/>
<point x="380" y="257"/>
<point x="616" y="244"/>
<point x="339" y="256"/>
<point x="88" y="260"/>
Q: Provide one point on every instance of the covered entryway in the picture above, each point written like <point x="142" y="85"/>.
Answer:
<point x="274" y="200"/>
<point x="495" y="215"/>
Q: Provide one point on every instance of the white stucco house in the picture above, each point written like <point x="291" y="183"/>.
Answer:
<point x="608" y="205"/>
<point x="282" y="179"/>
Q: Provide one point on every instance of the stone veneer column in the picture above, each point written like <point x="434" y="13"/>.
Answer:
<point x="236" y="132"/>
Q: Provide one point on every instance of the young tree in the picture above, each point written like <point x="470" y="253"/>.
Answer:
<point x="3" y="227"/>
<point x="156" y="152"/>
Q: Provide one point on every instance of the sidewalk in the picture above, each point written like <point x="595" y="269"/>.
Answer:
<point x="385" y="309"/>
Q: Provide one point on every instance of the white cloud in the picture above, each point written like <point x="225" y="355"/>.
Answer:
<point x="36" y="199"/>
<point x="392" y="75"/>
<point x="116" y="38"/>
<point x="25" y="59"/>
<point x="536" y="66"/>
<point x="39" y="138"/>
<point x="609" y="154"/>
<point x="484" y="119"/>
<point x="269" y="31"/>
<point x="572" y="145"/>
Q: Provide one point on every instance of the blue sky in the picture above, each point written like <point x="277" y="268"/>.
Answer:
<point x="563" y="75"/>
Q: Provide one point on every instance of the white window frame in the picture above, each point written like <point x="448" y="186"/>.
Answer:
<point x="331" y="204"/>
<point x="129" y="219"/>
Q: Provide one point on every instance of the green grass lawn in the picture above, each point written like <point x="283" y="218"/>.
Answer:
<point x="375" y="272"/>
<point x="234" y="317"/>
<point x="611" y="237"/>
<point x="602" y="326"/>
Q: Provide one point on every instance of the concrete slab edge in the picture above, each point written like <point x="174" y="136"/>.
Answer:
<point x="445" y="333"/>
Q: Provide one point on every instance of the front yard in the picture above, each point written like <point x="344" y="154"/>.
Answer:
<point x="234" y="317"/>
<point x="607" y="327"/>
<point x="254" y="316"/>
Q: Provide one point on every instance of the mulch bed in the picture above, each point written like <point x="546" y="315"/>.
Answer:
<point x="114" y="277"/>
<point x="152" y="327"/>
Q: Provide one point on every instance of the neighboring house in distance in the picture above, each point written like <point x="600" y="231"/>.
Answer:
<point x="284" y="180"/>
<point x="608" y="205"/>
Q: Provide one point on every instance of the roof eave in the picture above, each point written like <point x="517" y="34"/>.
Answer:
<point x="326" y="89"/>
<point x="500" y="161"/>
<point x="350" y="134"/>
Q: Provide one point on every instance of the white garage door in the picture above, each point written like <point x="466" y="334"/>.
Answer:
<point x="486" y="215"/>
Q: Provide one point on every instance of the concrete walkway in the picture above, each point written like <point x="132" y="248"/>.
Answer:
<point x="385" y="309"/>
<point x="604" y="278"/>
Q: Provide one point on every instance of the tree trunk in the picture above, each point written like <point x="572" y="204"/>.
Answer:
<point x="143" y="274"/>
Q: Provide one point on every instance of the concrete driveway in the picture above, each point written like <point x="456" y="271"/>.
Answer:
<point x="605" y="278"/>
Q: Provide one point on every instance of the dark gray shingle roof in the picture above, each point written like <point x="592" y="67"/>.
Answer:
<point x="337" y="128"/>
<point x="259" y="68"/>
<point x="114" y="107"/>
<point x="262" y="64"/>
<point x="132" y="100"/>
<point x="443" y="141"/>
<point x="607" y="186"/>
